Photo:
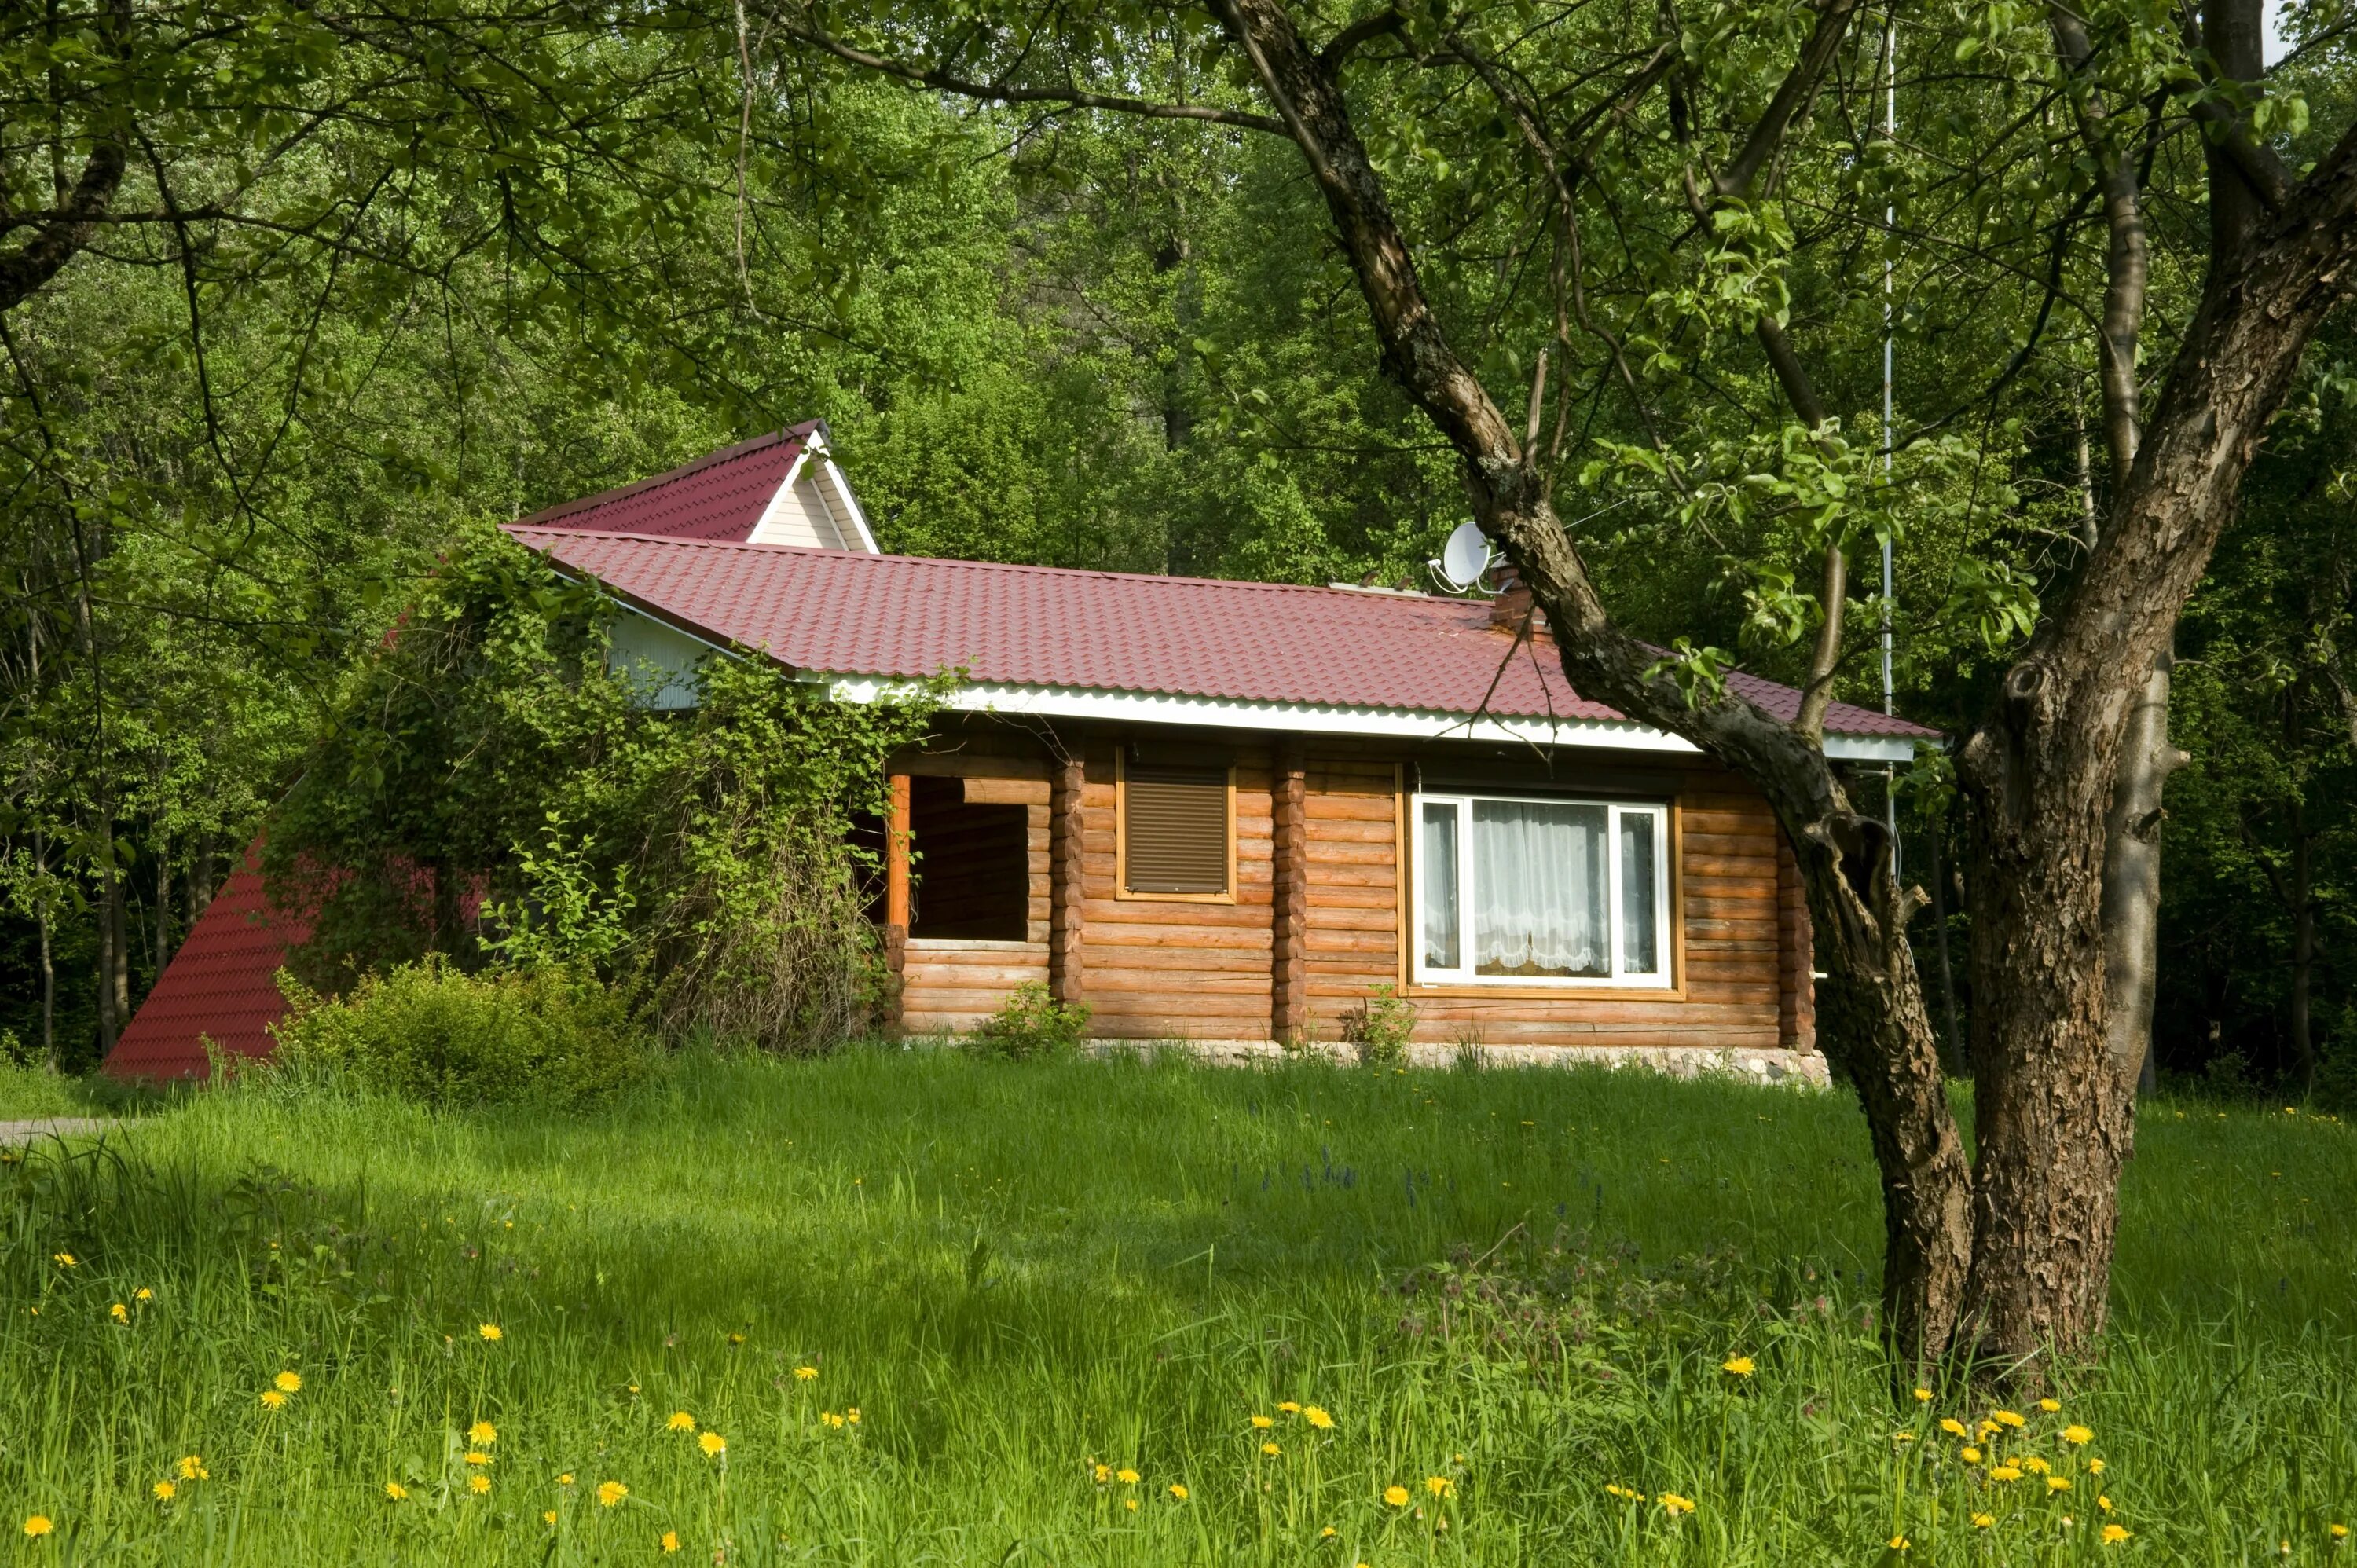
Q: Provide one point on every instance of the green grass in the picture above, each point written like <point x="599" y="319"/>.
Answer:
<point x="1016" y="1272"/>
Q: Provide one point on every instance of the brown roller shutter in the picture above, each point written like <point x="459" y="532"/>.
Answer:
<point x="1176" y="822"/>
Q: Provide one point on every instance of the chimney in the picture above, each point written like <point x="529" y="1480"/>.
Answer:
<point x="1512" y="600"/>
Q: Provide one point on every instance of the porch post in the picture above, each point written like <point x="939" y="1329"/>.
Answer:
<point x="896" y="895"/>
<point x="1289" y="976"/>
<point x="1066" y="786"/>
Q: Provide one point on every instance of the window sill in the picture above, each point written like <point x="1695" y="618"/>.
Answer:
<point x="1525" y="990"/>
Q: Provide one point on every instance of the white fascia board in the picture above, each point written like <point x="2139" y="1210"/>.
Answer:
<point x="834" y="477"/>
<point x="1896" y="749"/>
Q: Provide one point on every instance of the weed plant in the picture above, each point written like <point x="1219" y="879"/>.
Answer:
<point x="899" y="1308"/>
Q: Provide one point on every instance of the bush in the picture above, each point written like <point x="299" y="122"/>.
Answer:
<point x="1380" y="1026"/>
<point x="1032" y="1023"/>
<point x="432" y="1032"/>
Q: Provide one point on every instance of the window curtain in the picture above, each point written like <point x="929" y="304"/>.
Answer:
<point x="1540" y="886"/>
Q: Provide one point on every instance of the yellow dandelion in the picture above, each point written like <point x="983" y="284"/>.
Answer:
<point x="736" y="1340"/>
<point x="478" y="1485"/>
<point x="1953" y="1427"/>
<point x="1618" y="1490"/>
<point x="713" y="1443"/>
<point x="1264" y="1422"/>
<point x="2115" y="1534"/>
<point x="2007" y="1418"/>
<point x="476" y="1457"/>
<point x="1969" y="1455"/>
<point x="63" y="1260"/>
<point x="1127" y="1477"/>
<point x="548" y="1516"/>
<point x="273" y="1399"/>
<point x="2050" y="1406"/>
<point x="143" y="1293"/>
<point x="1983" y="1520"/>
<point x="2102" y="1502"/>
<point x="1329" y="1533"/>
<point x="190" y="1466"/>
<point x="1271" y="1449"/>
<point x="2095" y="1467"/>
<point x="565" y="1479"/>
<point x="1437" y="1485"/>
<point x="680" y="1422"/>
<point x="671" y="1540"/>
<point x="1674" y="1505"/>
<point x="1316" y="1418"/>
<point x="2339" y="1531"/>
<point x="39" y="1524"/>
<point x="482" y="1434"/>
<point x="1899" y="1544"/>
<point x="1289" y="1408"/>
<point x="611" y="1492"/>
<point x="1741" y="1366"/>
<point x="2005" y="1473"/>
<point x="1903" y="1438"/>
<point x="165" y="1491"/>
<point x="1178" y="1492"/>
<point x="1396" y="1496"/>
<point x="1923" y="1396"/>
<point x="1105" y="1474"/>
<point x="2034" y="1465"/>
<point x="2057" y="1483"/>
<point x="120" y="1313"/>
<point x="851" y="1414"/>
<point x="804" y="1374"/>
<point x="492" y="1331"/>
<point x="289" y="1382"/>
<point x="2077" y="1437"/>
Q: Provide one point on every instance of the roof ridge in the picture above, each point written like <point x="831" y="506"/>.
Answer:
<point x="789" y="434"/>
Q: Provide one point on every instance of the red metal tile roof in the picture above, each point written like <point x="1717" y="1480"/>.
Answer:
<point x="221" y="984"/>
<point x="718" y="496"/>
<point x="842" y="613"/>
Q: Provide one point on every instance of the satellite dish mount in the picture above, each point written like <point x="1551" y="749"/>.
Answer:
<point x="1464" y="560"/>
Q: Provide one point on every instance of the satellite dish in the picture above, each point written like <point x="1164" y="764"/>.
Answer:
<point x="1465" y="556"/>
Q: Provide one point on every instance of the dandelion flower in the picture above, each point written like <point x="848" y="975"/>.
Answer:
<point x="1983" y="1520"/>
<point x="1631" y="1493"/>
<point x="1329" y="1533"/>
<point x="394" y="1492"/>
<point x="273" y="1399"/>
<point x="2102" y="1502"/>
<point x="1105" y="1474"/>
<point x="2050" y="1406"/>
<point x="1178" y="1492"/>
<point x="478" y="1485"/>
<point x="2077" y="1437"/>
<point x="1437" y="1485"/>
<point x="1317" y="1417"/>
<point x="476" y="1457"/>
<point x="63" y="1260"/>
<point x="680" y="1422"/>
<point x="2005" y="1473"/>
<point x="548" y="1516"/>
<point x="190" y="1466"/>
<point x="565" y="1479"/>
<point x="1264" y="1422"/>
<point x="2057" y="1483"/>
<point x="671" y="1540"/>
<point x="2034" y="1465"/>
<point x="1951" y="1426"/>
<point x="851" y="1414"/>
<point x="2339" y="1531"/>
<point x="143" y="1293"/>
<point x="1289" y="1408"/>
<point x="1741" y="1366"/>
<point x="2095" y="1467"/>
<point x="289" y="1382"/>
<point x="165" y="1491"/>
<point x="38" y="1525"/>
<point x="120" y="1313"/>
<point x="482" y="1434"/>
<point x="492" y="1331"/>
<point x="611" y="1492"/>
<point x="2007" y="1418"/>
<point x="1969" y="1455"/>
<point x="1396" y="1496"/>
<point x="1127" y="1477"/>
<point x="1271" y="1449"/>
<point x="804" y="1374"/>
<point x="1923" y="1396"/>
<point x="2115" y="1534"/>
<point x="1899" y="1544"/>
<point x="713" y="1443"/>
<point x="1674" y="1505"/>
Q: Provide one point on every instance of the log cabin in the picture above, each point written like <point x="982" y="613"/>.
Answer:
<point x="1233" y="813"/>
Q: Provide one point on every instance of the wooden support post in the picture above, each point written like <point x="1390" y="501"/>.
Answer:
<point x="1066" y="787"/>
<point x="896" y="895"/>
<point x="1289" y="976"/>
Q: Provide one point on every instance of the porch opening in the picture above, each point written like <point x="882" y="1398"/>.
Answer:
<point x="973" y="877"/>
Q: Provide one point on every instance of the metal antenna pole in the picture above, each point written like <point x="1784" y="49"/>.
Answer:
<point x="1889" y="227"/>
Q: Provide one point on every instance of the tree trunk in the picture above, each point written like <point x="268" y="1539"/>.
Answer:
<point x="2303" y="946"/>
<point x="2132" y="874"/>
<point x="1952" y="1045"/>
<point x="163" y="912"/>
<point x="48" y="966"/>
<point x="200" y="878"/>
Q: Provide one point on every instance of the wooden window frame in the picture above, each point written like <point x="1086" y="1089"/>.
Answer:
<point x="1408" y="823"/>
<point x="1121" y="889"/>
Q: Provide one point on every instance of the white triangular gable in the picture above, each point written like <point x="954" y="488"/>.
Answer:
<point x="814" y="507"/>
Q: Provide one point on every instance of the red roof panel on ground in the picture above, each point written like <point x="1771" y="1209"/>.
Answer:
<point x="719" y="497"/>
<point x="221" y="985"/>
<point x="842" y="613"/>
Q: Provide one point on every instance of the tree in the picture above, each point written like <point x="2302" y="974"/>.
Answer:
<point x="1690" y="194"/>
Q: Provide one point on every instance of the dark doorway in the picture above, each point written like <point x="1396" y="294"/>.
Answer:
<point x="973" y="874"/>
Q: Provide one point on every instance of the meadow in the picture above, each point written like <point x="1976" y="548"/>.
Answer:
<point x="912" y="1307"/>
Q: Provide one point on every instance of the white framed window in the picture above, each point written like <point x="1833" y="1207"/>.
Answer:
<point x="1524" y="890"/>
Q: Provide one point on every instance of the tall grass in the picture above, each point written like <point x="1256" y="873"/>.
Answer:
<point x="1509" y="1289"/>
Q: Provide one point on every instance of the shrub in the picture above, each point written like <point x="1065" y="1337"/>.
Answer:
<point x="1032" y="1023"/>
<point x="1379" y="1026"/>
<point x="432" y="1032"/>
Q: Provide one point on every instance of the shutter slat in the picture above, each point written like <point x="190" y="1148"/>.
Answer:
<point x="1177" y="825"/>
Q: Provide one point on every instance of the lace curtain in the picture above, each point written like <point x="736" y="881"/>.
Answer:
<point x="1541" y="888"/>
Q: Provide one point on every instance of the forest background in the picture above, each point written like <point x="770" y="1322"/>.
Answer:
<point x="534" y="259"/>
